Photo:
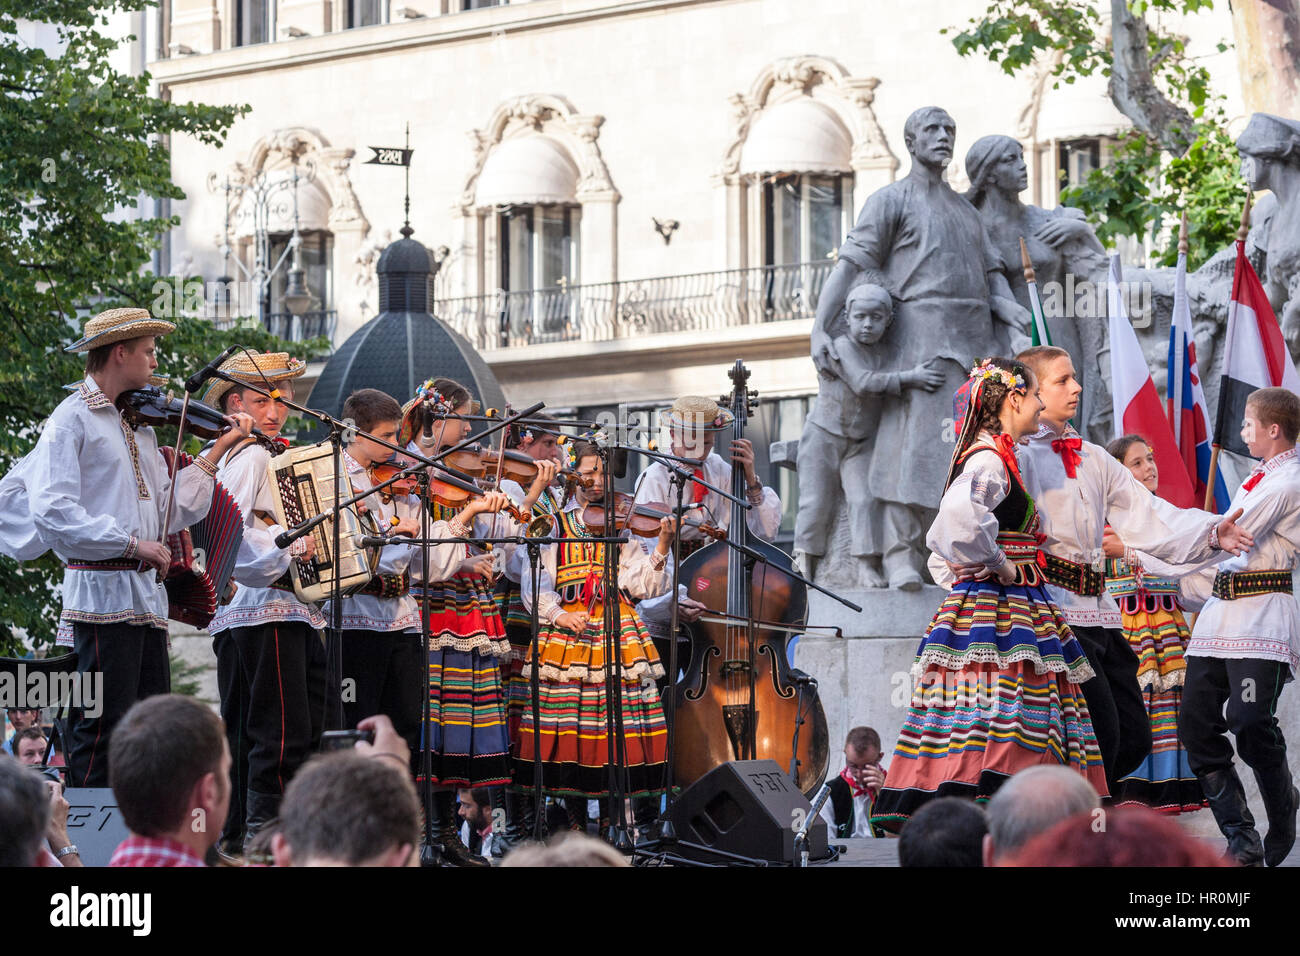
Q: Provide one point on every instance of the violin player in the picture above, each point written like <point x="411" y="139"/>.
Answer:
<point x="381" y="623"/>
<point x="94" y="490"/>
<point x="270" y="657"/>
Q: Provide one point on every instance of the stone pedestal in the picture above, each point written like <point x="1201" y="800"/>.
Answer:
<point x="864" y="677"/>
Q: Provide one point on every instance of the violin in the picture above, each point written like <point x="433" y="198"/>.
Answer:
<point x="150" y="406"/>
<point x="641" y="520"/>
<point x="381" y="471"/>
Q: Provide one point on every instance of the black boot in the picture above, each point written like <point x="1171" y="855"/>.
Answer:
<point x="262" y="809"/>
<point x="446" y="831"/>
<point x="1222" y="788"/>
<point x="576" y="810"/>
<point x="1281" y="799"/>
<point x="513" y="809"/>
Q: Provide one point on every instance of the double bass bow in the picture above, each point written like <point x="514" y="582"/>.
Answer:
<point x="740" y="700"/>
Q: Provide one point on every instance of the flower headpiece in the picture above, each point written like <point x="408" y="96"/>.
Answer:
<point x="427" y="393"/>
<point x="987" y="371"/>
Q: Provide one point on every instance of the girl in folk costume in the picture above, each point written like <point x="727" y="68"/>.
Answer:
<point x="1148" y="596"/>
<point x="572" y="742"/>
<point x="466" y="731"/>
<point x="539" y="500"/>
<point x="998" y="670"/>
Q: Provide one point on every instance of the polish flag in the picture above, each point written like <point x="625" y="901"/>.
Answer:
<point x="1255" y="355"/>
<point x="1137" y="406"/>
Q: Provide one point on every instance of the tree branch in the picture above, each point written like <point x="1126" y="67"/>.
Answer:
<point x="1133" y="89"/>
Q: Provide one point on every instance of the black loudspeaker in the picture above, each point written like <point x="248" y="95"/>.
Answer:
<point x="94" y="823"/>
<point x="747" y="807"/>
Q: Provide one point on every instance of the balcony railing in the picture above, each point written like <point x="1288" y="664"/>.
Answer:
<point x="286" y="325"/>
<point x="613" y="310"/>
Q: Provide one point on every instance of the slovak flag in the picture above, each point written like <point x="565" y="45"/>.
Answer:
<point x="1189" y="416"/>
<point x="1255" y="354"/>
<point x="1137" y="406"/>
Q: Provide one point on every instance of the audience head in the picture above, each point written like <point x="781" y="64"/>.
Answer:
<point x="567" y="849"/>
<point x="23" y="717"/>
<point x="347" y="809"/>
<point x="1126" y="836"/>
<point x="1031" y="802"/>
<point x="169" y="767"/>
<point x="24" y="813"/>
<point x="945" y="832"/>
<point x="861" y="750"/>
<point x="29" y="746"/>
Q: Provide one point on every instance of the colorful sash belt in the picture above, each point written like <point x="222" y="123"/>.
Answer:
<point x="1078" y="578"/>
<point x="389" y="585"/>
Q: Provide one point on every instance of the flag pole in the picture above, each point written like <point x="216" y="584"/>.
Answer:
<point x="1040" y="333"/>
<point x="1242" y="231"/>
<point x="1174" y="374"/>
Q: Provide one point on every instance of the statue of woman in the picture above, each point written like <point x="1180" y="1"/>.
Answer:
<point x="1060" y="243"/>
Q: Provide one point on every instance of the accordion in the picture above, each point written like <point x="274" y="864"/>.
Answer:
<point x="203" y="557"/>
<point x="302" y="487"/>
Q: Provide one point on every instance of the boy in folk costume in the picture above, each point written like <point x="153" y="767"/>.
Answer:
<point x="466" y="732"/>
<point x="572" y="742"/>
<point x="381" y="656"/>
<point x="998" y="672"/>
<point x="1245" y="645"/>
<point x="94" y="490"/>
<point x="270" y="657"/>
<point x="1078" y="488"/>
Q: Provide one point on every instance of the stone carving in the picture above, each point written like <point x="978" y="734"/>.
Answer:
<point x="827" y="82"/>
<point x="925" y="245"/>
<point x="547" y="115"/>
<point x="1270" y="159"/>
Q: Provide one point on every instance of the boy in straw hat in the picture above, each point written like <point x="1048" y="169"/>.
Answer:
<point x="270" y="658"/>
<point x="93" y="490"/>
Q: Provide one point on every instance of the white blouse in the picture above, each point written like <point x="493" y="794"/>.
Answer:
<point x="90" y="485"/>
<point x="246" y="475"/>
<point x="1073" y="513"/>
<point x="966" y="530"/>
<point x="1263" y="626"/>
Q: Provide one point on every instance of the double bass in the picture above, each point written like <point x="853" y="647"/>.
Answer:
<point x="740" y="700"/>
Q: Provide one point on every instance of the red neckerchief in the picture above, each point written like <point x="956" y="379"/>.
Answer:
<point x="1068" y="449"/>
<point x="1006" y="449"/>
<point x="853" y="784"/>
<point x="698" y="491"/>
<point x="1253" y="480"/>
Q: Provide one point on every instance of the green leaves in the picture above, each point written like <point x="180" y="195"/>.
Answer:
<point x="81" y="142"/>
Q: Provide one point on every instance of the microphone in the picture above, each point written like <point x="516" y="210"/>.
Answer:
<point x="195" y="381"/>
<point x="426" y="438"/>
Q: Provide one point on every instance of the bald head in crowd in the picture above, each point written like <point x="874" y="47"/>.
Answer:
<point x="1031" y="802"/>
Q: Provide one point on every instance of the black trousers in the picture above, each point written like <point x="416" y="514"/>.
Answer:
<point x="385" y="673"/>
<point x="1250" y="688"/>
<point x="1119" y="717"/>
<point x="272" y="684"/>
<point x="133" y="663"/>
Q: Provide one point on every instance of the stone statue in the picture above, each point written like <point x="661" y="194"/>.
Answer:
<point x="836" y="447"/>
<point x="1063" y="249"/>
<point x="948" y="285"/>
<point x="1270" y="159"/>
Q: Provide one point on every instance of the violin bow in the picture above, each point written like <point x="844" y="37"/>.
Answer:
<point x="171" y="487"/>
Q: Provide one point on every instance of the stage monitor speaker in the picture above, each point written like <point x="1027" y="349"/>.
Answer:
<point x="747" y="807"/>
<point x="94" y="823"/>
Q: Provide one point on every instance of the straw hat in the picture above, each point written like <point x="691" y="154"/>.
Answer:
<point x="119" y="325"/>
<point x="696" y="413"/>
<point x="271" y="367"/>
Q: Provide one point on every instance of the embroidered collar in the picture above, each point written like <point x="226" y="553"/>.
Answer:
<point x="93" y="395"/>
<point x="1277" y="461"/>
<point x="1047" y="431"/>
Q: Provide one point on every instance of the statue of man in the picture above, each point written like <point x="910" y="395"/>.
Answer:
<point x="948" y="286"/>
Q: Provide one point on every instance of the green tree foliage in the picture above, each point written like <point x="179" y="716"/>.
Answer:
<point x="80" y="142"/>
<point x="1178" y="156"/>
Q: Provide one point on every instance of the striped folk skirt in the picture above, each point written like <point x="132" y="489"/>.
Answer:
<point x="572" y="740"/>
<point x="1154" y="626"/>
<point x="466" y="730"/>
<point x="995" y="689"/>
